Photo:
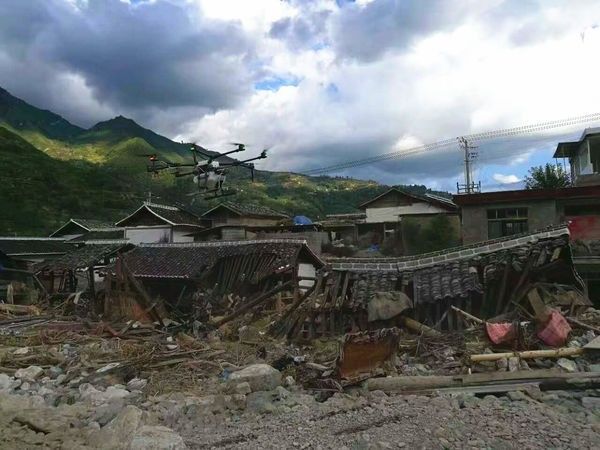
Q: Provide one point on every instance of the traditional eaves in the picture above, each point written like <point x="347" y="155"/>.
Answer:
<point x="86" y="256"/>
<point x="442" y="202"/>
<point x="21" y="246"/>
<point x="171" y="215"/>
<point x="249" y="210"/>
<point x="83" y="225"/>
<point x="101" y="235"/>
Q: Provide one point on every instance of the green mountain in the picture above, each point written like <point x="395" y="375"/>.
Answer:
<point x="53" y="170"/>
<point x="25" y="118"/>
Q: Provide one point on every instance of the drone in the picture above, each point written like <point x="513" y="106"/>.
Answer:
<point x="209" y="174"/>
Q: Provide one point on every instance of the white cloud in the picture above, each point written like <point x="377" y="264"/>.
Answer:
<point x="505" y="179"/>
<point x="362" y="89"/>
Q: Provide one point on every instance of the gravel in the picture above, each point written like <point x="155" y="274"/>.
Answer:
<point x="56" y="415"/>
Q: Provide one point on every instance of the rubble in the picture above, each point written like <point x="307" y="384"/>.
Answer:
<point x="155" y="379"/>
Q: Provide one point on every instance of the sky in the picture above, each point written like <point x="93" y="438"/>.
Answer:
<point x="321" y="82"/>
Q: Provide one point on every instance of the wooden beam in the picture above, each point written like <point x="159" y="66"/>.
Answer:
<point x="251" y="304"/>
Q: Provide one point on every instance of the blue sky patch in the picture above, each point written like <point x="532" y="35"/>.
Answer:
<point x="274" y="83"/>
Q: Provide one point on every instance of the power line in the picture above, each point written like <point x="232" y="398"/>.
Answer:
<point x="475" y="137"/>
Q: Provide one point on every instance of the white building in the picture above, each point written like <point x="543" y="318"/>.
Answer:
<point x="154" y="223"/>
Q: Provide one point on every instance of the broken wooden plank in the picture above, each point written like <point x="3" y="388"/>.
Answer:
<point x="528" y="354"/>
<point x="251" y="304"/>
<point x="418" y="327"/>
<point x="407" y="383"/>
<point x="467" y="316"/>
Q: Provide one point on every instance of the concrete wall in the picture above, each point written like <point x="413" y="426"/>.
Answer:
<point x="392" y="213"/>
<point x="179" y="235"/>
<point x="306" y="270"/>
<point x="541" y="214"/>
<point x="139" y="235"/>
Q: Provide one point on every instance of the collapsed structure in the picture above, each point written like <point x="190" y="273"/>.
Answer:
<point x="210" y="278"/>
<point x="486" y="279"/>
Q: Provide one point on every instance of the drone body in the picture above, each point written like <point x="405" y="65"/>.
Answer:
<point x="208" y="174"/>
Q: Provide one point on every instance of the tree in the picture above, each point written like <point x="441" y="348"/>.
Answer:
<point x="550" y="176"/>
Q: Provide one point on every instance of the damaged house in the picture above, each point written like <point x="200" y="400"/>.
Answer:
<point x="208" y="278"/>
<point x="153" y="222"/>
<point x="486" y="280"/>
<point x="394" y="219"/>
<point x="492" y="215"/>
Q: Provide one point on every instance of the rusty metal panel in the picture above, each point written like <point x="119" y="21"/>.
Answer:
<point x="362" y="354"/>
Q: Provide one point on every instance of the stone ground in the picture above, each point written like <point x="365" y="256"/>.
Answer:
<point x="556" y="420"/>
<point x="291" y="418"/>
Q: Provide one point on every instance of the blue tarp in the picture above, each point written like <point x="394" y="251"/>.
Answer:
<point x="302" y="220"/>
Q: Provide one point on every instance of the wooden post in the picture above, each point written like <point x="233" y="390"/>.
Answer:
<point x="92" y="284"/>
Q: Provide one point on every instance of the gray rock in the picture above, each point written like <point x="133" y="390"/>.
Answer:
<point x="235" y="402"/>
<point x="156" y="438"/>
<point x="502" y="364"/>
<point x="513" y="364"/>
<point x="92" y="395"/>
<point x="103" y="414"/>
<point x="30" y="373"/>
<point x="289" y="381"/>
<point x="261" y="402"/>
<point x="567" y="364"/>
<point x="594" y="367"/>
<point x="243" y="388"/>
<point x="209" y="404"/>
<point x="120" y="431"/>
<point x="54" y="372"/>
<point x="260" y="377"/>
<point x="591" y="402"/>
<point x="5" y="382"/>
<point x="516" y="396"/>
<point x="136" y="384"/>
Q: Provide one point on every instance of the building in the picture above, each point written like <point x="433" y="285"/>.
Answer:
<point x="76" y="228"/>
<point x="152" y="223"/>
<point x="493" y="215"/>
<point x="583" y="156"/>
<point x="395" y="216"/>
<point x="230" y="213"/>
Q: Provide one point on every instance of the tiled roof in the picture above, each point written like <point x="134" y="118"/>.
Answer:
<point x="427" y="198"/>
<point x="249" y="209"/>
<point x="93" y="224"/>
<point x="452" y="273"/>
<point x="82" y="257"/>
<point x="172" y="215"/>
<point x="191" y="260"/>
<point x="101" y="235"/>
<point x="449" y="255"/>
<point x="85" y="224"/>
<point x="15" y="246"/>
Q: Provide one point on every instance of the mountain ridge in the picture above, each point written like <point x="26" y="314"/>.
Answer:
<point x="97" y="172"/>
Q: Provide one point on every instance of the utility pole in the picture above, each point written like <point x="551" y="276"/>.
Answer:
<point x="469" y="187"/>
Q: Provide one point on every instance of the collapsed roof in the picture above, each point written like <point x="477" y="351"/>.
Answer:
<point x="192" y="260"/>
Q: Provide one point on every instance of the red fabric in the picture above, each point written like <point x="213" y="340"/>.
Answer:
<point x="555" y="331"/>
<point x="500" y="332"/>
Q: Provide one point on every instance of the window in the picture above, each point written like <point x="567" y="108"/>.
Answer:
<point x="506" y="221"/>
